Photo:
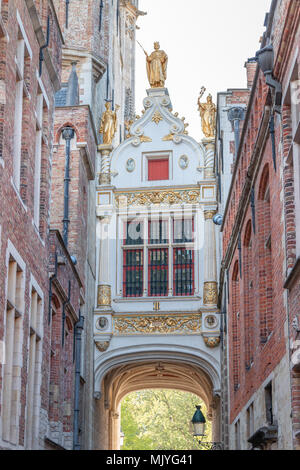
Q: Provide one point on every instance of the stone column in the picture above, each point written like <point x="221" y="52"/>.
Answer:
<point x="210" y="294"/>
<point x="104" y="284"/>
<point x="216" y="419"/>
<point x="209" y="172"/>
<point x="105" y="175"/>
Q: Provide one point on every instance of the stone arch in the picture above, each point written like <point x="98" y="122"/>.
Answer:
<point x="264" y="237"/>
<point x="62" y="127"/>
<point x="149" y="369"/>
<point x="248" y="297"/>
<point x="248" y="233"/>
<point x="264" y="182"/>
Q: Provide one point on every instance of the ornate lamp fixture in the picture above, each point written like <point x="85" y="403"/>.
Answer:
<point x="198" y="428"/>
<point x="199" y="423"/>
<point x="122" y="435"/>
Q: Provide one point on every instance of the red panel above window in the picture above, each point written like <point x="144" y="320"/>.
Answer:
<point x="158" y="170"/>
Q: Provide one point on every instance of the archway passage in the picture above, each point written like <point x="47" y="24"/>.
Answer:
<point x="160" y="420"/>
<point x="131" y="377"/>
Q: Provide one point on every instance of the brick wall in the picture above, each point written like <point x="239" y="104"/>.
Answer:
<point x="17" y="207"/>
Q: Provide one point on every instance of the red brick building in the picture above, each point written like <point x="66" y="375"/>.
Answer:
<point x="29" y="77"/>
<point x="56" y="70"/>
<point x="259" y="248"/>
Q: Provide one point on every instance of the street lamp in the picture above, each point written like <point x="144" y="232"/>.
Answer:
<point x="199" y="423"/>
<point x="198" y="427"/>
<point x="122" y="435"/>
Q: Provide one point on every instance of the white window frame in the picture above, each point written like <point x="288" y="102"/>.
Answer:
<point x="171" y="245"/>
<point x="23" y="50"/>
<point x="13" y="337"/>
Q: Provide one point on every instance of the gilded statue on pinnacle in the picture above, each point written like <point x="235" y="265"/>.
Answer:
<point x="208" y="113"/>
<point x="108" y="126"/>
<point x="157" y="63"/>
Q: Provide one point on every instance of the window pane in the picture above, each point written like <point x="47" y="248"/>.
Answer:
<point x="134" y="233"/>
<point x="183" y="230"/>
<point x="158" y="232"/>
<point x="183" y="272"/>
<point x="158" y="273"/>
<point x="133" y="273"/>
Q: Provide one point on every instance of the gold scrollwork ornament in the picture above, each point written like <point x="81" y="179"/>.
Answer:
<point x="210" y="296"/>
<point x="104" y="296"/>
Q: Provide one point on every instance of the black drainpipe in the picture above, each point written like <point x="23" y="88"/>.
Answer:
<point x="66" y="302"/>
<point x="77" y="333"/>
<point x="52" y="278"/>
<point x="44" y="47"/>
<point x="67" y="13"/>
<point x="100" y="15"/>
<point x="68" y="134"/>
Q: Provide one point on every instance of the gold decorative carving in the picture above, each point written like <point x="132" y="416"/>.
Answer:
<point x="159" y="324"/>
<point x="144" y="138"/>
<point x="159" y="197"/>
<point x="168" y="137"/>
<point x="104" y="296"/>
<point x="210" y="296"/>
<point x="208" y="113"/>
<point x="157" y="117"/>
<point x="105" y="178"/>
<point x="108" y="124"/>
<point x="157" y="63"/>
<point x="102" y="346"/>
<point x="212" y="342"/>
<point x="209" y="215"/>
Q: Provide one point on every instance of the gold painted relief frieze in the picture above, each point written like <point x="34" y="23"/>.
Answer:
<point x="157" y="325"/>
<point x="169" y="197"/>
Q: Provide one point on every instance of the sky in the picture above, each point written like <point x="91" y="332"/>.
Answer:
<point x="207" y="42"/>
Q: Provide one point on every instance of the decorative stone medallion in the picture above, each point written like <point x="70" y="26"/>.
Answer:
<point x="211" y="322"/>
<point x="183" y="162"/>
<point x="102" y="323"/>
<point x="130" y="165"/>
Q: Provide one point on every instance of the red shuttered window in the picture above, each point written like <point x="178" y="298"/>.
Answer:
<point x="158" y="169"/>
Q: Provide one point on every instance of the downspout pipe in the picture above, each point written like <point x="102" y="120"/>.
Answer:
<point x="235" y="116"/>
<point x="52" y="278"/>
<point x="44" y="47"/>
<point x="66" y="302"/>
<point x="67" y="13"/>
<point x="68" y="134"/>
<point x="78" y="333"/>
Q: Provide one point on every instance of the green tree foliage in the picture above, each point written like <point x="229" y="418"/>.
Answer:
<point x="160" y="420"/>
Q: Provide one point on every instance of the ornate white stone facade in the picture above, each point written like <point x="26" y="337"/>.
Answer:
<point x="147" y="331"/>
